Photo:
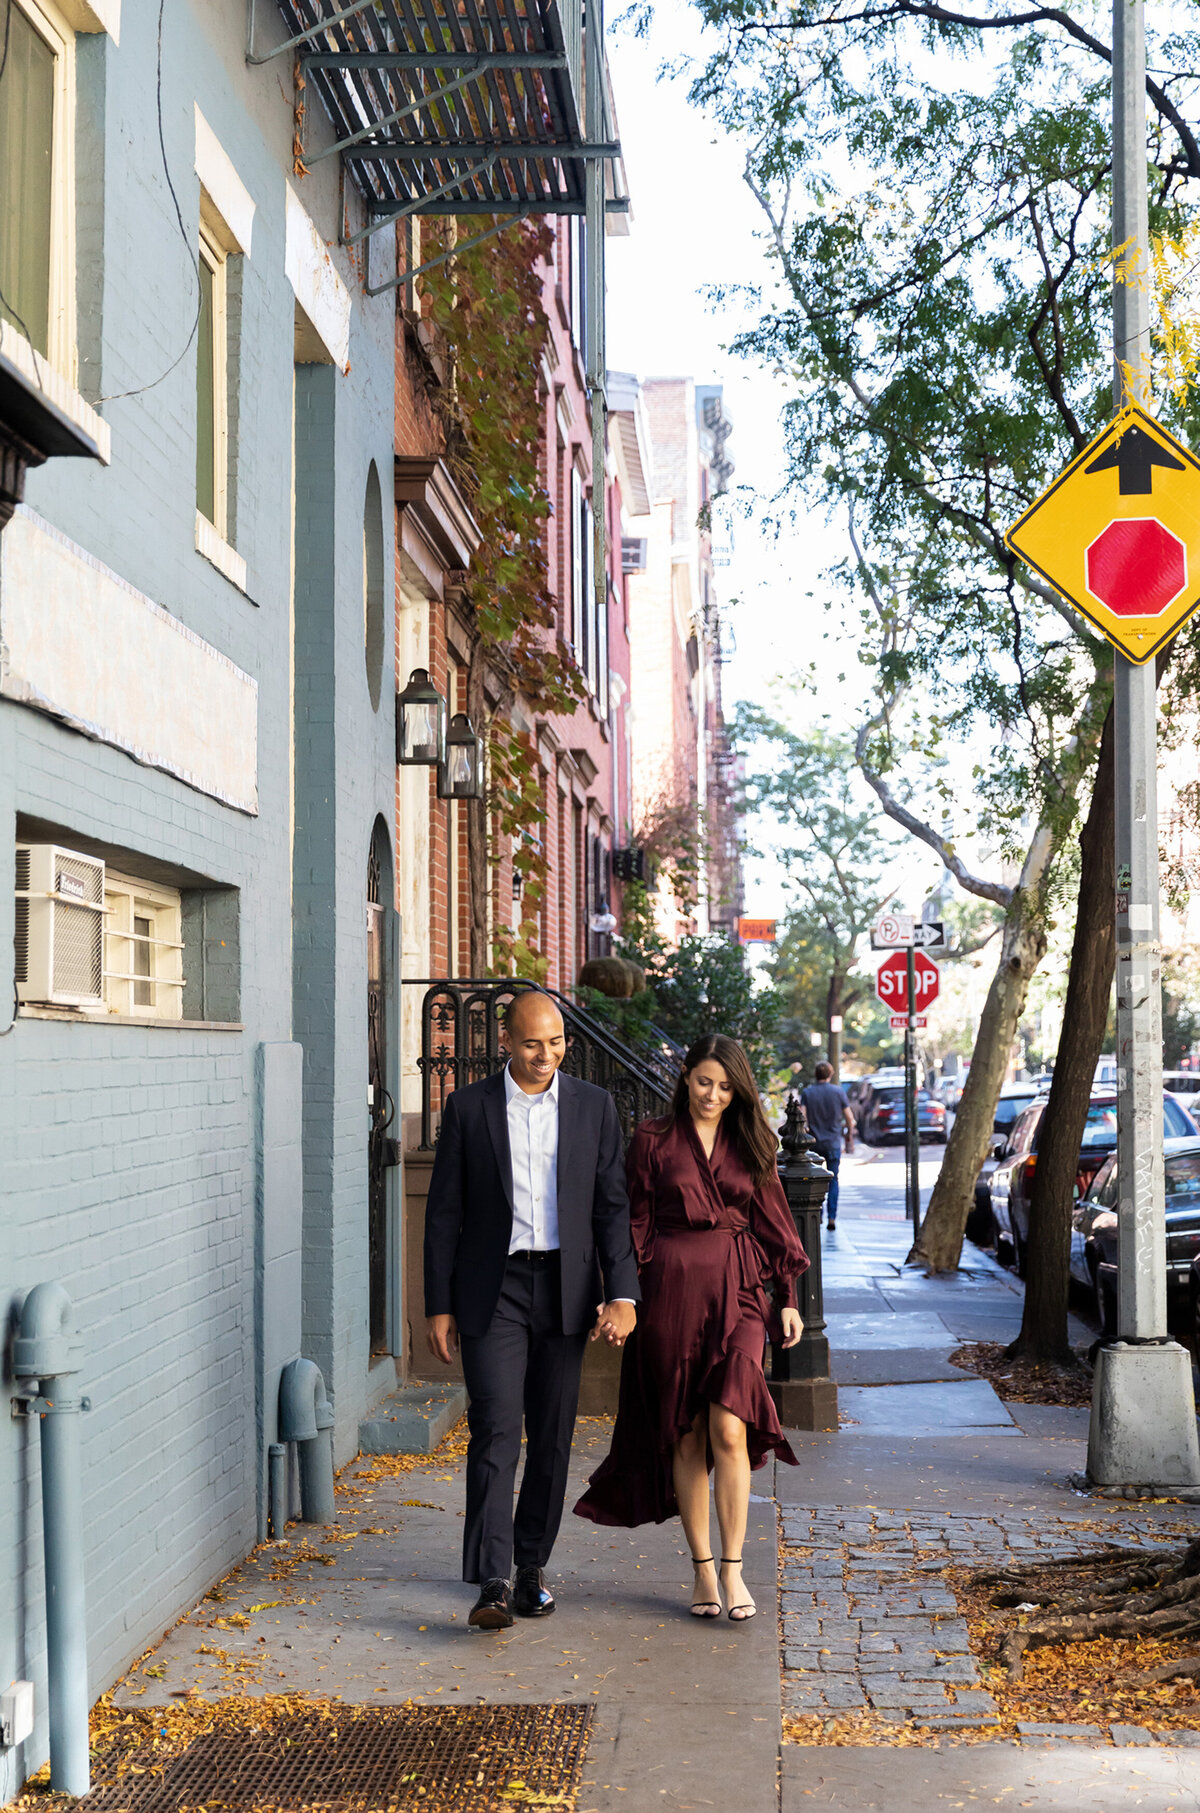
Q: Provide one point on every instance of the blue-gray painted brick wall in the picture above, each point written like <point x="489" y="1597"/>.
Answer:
<point x="135" y="1167"/>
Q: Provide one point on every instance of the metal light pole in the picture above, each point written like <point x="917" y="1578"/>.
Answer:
<point x="912" y="1131"/>
<point x="1143" y="1427"/>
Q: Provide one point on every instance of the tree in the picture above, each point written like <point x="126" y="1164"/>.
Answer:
<point x="702" y="984"/>
<point x="833" y="850"/>
<point x="800" y="974"/>
<point x="944" y="329"/>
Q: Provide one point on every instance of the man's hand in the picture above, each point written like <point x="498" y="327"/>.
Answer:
<point x="615" y="1321"/>
<point x="442" y="1334"/>
<point x="793" y="1327"/>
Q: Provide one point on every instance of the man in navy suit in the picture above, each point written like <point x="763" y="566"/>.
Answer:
<point x="526" y="1231"/>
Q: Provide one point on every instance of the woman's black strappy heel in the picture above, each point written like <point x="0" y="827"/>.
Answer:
<point x="739" y="1614"/>
<point x="705" y="1608"/>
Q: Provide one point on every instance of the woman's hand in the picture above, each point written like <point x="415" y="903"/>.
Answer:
<point x="793" y="1327"/>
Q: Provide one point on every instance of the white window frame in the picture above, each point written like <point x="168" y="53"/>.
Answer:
<point x="51" y="25"/>
<point x="127" y="898"/>
<point x="213" y="256"/>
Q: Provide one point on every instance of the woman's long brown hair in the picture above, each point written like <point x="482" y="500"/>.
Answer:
<point x="745" y="1120"/>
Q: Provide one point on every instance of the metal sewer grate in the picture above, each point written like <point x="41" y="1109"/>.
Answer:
<point x="442" y="1759"/>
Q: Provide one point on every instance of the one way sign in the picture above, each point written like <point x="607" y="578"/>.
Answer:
<point x="898" y="931"/>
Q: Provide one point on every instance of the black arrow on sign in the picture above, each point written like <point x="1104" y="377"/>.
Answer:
<point x="1135" y="454"/>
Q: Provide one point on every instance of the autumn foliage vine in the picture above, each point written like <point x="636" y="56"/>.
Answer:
<point x="486" y="305"/>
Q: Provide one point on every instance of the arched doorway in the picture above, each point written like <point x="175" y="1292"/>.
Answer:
<point x="383" y="1150"/>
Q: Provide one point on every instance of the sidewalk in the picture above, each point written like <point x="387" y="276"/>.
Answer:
<point x="932" y="1470"/>
<point x="870" y="1657"/>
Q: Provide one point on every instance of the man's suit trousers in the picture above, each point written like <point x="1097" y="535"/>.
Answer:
<point x="523" y="1369"/>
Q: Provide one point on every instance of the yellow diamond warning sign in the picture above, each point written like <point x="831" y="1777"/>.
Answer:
<point x="1118" y="534"/>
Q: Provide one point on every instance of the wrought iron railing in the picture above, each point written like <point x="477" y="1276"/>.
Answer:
<point x="461" y="1019"/>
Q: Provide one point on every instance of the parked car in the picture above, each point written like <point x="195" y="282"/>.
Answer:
<point x="883" y="1115"/>
<point x="1184" y="1085"/>
<point x="981" y="1225"/>
<point x="859" y="1091"/>
<point x="1012" y="1179"/>
<point x="1094" y="1231"/>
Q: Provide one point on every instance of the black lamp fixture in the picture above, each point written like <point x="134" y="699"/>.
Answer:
<point x="420" y="722"/>
<point x="460" y="774"/>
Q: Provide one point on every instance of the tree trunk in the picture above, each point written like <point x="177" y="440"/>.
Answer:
<point x="478" y="866"/>
<point x="939" y="1244"/>
<point x="1043" y="1333"/>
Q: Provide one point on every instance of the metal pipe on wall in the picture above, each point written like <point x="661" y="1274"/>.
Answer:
<point x="46" y="1350"/>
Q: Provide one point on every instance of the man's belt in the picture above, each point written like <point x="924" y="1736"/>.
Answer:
<point x="549" y="1256"/>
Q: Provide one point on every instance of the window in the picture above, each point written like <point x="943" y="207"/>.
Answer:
<point x="212" y="346"/>
<point x="36" y="182"/>
<point x="143" y="949"/>
<point x="578" y="544"/>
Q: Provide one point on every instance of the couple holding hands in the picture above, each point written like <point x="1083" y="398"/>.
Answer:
<point x="534" y="1215"/>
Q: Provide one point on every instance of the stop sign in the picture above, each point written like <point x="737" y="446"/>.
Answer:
<point x="891" y="984"/>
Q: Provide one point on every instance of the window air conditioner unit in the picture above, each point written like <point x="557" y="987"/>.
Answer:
<point x="60" y="927"/>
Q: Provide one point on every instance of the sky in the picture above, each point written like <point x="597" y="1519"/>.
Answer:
<point x="695" y="224"/>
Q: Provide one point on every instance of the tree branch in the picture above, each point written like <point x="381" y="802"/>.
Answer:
<point x="1036" y="15"/>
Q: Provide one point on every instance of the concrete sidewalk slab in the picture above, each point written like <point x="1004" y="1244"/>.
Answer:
<point x="1050" y="1780"/>
<point x="372" y="1611"/>
<point x="898" y="1365"/>
<point x="908" y="1411"/>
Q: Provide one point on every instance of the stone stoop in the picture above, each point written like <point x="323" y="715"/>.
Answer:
<point x="414" y="1419"/>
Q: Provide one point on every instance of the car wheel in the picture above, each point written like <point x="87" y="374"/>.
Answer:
<point x="1019" y="1254"/>
<point x="981" y="1223"/>
<point x="1106" y="1306"/>
<point x="1005" y="1254"/>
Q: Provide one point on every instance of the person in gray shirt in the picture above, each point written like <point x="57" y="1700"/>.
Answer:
<point x="828" y="1111"/>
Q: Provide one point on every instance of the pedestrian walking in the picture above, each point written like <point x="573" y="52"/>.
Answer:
<point x="827" y="1109"/>
<point x="713" y="1233"/>
<point x="526" y="1229"/>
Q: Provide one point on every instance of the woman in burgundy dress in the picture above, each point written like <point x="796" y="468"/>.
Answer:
<point x="712" y="1230"/>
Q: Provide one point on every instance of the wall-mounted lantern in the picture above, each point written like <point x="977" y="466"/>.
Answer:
<point x="603" y="920"/>
<point x="420" y="722"/>
<point x="460" y="775"/>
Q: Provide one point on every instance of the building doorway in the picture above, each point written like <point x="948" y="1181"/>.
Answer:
<point x="382" y="1147"/>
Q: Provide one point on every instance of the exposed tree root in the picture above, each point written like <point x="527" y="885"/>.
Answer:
<point x="1156" y="1595"/>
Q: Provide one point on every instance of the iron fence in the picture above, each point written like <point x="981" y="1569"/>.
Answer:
<point x="461" y="1018"/>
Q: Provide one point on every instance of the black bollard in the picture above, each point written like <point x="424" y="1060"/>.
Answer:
<point x="804" y="1393"/>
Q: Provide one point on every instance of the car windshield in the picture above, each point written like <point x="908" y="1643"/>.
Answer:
<point x="889" y="1095"/>
<point x="1008" y="1108"/>
<point x="1100" y="1133"/>
<point x="1177" y="1122"/>
<point x="1182" y="1179"/>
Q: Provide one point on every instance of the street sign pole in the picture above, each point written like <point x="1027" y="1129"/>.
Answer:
<point x="912" y="1132"/>
<point x="1143" y="1425"/>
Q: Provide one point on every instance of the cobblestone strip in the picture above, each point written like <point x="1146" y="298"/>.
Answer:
<point x="868" y="1623"/>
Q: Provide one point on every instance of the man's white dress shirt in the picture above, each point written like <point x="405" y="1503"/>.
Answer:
<point x="533" y="1147"/>
<point x="533" y="1143"/>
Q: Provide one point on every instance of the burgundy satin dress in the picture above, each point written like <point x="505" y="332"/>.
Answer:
<point x="709" y="1243"/>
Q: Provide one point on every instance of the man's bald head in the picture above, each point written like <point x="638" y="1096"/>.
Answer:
<point x="536" y="1039"/>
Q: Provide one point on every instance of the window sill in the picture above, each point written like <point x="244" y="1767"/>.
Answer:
<point x="79" y="1017"/>
<point x="214" y="548"/>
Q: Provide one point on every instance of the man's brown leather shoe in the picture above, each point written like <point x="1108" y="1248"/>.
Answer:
<point x="493" y="1608"/>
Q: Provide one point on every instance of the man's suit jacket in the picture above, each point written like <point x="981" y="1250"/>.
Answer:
<point x="468" y="1218"/>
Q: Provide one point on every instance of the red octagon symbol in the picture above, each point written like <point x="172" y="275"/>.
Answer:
<point x="891" y="983"/>
<point x="1137" y="568"/>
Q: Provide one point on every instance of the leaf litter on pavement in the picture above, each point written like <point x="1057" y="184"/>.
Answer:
<point x="1026" y="1381"/>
